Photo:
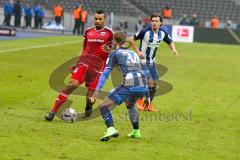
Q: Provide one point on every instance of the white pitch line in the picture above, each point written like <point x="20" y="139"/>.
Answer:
<point x="39" y="46"/>
<point x="234" y="35"/>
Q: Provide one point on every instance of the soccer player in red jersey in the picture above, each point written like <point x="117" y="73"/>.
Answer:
<point x="97" y="41"/>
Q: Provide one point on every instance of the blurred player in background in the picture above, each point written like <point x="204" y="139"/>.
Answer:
<point x="134" y="86"/>
<point x="89" y="65"/>
<point x="150" y="38"/>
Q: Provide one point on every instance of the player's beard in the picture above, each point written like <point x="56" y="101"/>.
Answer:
<point x="98" y="27"/>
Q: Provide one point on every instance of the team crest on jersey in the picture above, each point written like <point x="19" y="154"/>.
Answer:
<point x="103" y="33"/>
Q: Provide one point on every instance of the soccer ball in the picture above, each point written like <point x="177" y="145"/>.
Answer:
<point x="69" y="115"/>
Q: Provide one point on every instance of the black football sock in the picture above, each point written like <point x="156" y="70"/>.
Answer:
<point x="88" y="108"/>
<point x="89" y="105"/>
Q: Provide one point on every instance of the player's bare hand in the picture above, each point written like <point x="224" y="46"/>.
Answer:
<point x="176" y="53"/>
<point x="141" y="55"/>
<point x="92" y="100"/>
<point x="94" y="96"/>
<point x="106" y="48"/>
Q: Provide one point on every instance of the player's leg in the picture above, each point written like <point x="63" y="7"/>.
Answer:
<point x="136" y="92"/>
<point x="133" y="116"/>
<point x="62" y="98"/>
<point x="91" y="82"/>
<point x="153" y="90"/>
<point x="89" y="103"/>
<point x="152" y="86"/>
<point x="77" y="79"/>
<point x="115" y="97"/>
<point x="108" y="119"/>
<point x="140" y="102"/>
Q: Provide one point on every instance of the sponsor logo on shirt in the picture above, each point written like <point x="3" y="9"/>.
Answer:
<point x="153" y="44"/>
<point x="96" y="40"/>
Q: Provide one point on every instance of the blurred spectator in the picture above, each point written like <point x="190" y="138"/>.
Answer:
<point x="75" y="3"/>
<point x="28" y="13"/>
<point x="41" y="15"/>
<point x="229" y="24"/>
<point x="17" y="11"/>
<point x="77" y="18"/>
<point x="184" y="20"/>
<point x="139" y="25"/>
<point x="84" y="16"/>
<point x="36" y="18"/>
<point x="8" y="11"/>
<point x="215" y="22"/>
<point x="194" y="21"/>
<point x="121" y="26"/>
<point x="126" y="25"/>
<point x="238" y="25"/>
<point x="58" y="13"/>
<point x="167" y="12"/>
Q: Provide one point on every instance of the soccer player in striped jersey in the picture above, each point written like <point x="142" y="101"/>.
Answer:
<point x="134" y="86"/>
<point x="150" y="38"/>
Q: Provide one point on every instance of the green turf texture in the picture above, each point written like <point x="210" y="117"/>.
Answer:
<point x="206" y="91"/>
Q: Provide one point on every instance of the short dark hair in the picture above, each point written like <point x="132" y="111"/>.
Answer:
<point x="120" y="37"/>
<point x="100" y="12"/>
<point x="157" y="15"/>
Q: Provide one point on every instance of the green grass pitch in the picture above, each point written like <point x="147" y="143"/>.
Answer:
<point x="206" y="97"/>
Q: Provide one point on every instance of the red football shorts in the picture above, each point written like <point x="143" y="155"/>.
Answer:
<point x="88" y="74"/>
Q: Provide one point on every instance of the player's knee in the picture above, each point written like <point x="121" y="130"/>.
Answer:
<point x="150" y="83"/>
<point x="129" y="104"/>
<point x="73" y="82"/>
<point x="107" y="102"/>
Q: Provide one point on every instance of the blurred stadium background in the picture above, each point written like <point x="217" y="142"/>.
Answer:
<point x="131" y="15"/>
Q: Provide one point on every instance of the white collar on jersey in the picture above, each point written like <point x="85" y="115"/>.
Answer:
<point x="100" y="29"/>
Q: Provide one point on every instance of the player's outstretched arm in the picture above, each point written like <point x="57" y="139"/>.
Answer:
<point x="135" y="47"/>
<point x="111" y="62"/>
<point x="102" y="79"/>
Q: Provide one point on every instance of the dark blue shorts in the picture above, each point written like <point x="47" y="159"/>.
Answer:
<point x="122" y="93"/>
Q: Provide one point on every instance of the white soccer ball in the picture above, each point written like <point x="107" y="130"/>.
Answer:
<point x="69" y="115"/>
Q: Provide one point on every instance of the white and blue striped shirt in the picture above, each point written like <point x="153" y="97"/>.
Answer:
<point x="149" y="42"/>
<point x="130" y="66"/>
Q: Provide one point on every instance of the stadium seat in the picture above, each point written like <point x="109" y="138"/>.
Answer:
<point x="224" y="9"/>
